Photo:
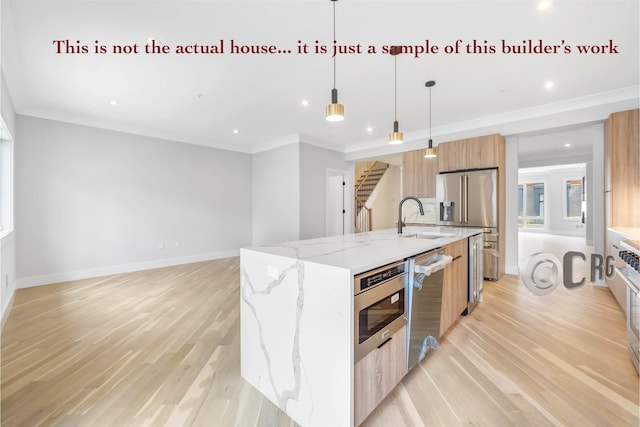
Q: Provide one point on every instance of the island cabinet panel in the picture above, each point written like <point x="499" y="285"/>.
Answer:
<point x="472" y="153"/>
<point x="296" y="338"/>
<point x="418" y="174"/>
<point x="455" y="285"/>
<point x="377" y="374"/>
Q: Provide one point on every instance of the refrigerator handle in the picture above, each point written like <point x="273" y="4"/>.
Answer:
<point x="462" y="204"/>
<point x="466" y="199"/>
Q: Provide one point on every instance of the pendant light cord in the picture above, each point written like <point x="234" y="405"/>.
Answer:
<point x="395" y="87"/>
<point x="429" y="113"/>
<point x="334" y="43"/>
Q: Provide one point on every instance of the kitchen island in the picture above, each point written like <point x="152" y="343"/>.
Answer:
<point x="297" y="316"/>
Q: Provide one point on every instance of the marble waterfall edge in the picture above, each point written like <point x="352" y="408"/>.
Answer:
<point x="296" y="338"/>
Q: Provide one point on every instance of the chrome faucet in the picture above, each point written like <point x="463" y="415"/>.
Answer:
<point x="400" y="222"/>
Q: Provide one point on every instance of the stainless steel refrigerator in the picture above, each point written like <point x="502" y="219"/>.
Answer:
<point x="470" y="199"/>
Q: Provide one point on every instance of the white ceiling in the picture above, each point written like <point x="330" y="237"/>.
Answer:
<point x="201" y="99"/>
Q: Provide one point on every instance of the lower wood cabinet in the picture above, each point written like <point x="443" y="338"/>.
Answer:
<point x="455" y="287"/>
<point x="616" y="284"/>
<point x="377" y="374"/>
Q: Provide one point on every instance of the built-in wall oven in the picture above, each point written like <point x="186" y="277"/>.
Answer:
<point x="379" y="306"/>
<point x="630" y="255"/>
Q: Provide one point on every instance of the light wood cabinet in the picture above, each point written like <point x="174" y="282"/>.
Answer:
<point x="418" y="174"/>
<point x="616" y="284"/>
<point x="377" y="374"/>
<point x="455" y="287"/>
<point x="622" y="168"/>
<point x="452" y="156"/>
<point x="472" y="153"/>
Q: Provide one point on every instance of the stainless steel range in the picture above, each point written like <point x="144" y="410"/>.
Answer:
<point x="630" y="254"/>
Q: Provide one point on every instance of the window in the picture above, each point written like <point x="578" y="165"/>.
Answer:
<point x="573" y="198"/>
<point x="6" y="180"/>
<point x="531" y="205"/>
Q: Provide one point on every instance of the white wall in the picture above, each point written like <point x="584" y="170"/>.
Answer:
<point x="314" y="162"/>
<point x="554" y="180"/>
<point x="385" y="205"/>
<point x="8" y="242"/>
<point x="290" y="191"/>
<point x="91" y="202"/>
<point x="511" y="205"/>
<point x="597" y="195"/>
<point x="276" y="195"/>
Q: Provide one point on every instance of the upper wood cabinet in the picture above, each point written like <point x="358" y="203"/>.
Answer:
<point x="622" y="168"/>
<point x="472" y="153"/>
<point x="418" y="175"/>
<point x="452" y="155"/>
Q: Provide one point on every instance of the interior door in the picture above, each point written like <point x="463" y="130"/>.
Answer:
<point x="335" y="207"/>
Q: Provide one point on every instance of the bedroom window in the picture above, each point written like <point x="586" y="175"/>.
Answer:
<point x="573" y="197"/>
<point x="531" y="205"/>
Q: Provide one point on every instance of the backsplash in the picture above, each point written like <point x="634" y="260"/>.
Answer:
<point x="411" y="212"/>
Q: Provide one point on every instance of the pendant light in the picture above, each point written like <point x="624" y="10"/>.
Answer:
<point x="430" y="152"/>
<point x="335" y="111"/>
<point x="396" y="136"/>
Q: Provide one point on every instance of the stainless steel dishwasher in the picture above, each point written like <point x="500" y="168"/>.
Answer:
<point x="424" y="303"/>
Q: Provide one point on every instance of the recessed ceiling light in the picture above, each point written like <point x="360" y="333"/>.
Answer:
<point x="235" y="131"/>
<point x="567" y="145"/>
<point x="549" y="85"/>
<point x="544" y="4"/>
<point x="113" y="102"/>
<point x="305" y="103"/>
<point x="369" y="129"/>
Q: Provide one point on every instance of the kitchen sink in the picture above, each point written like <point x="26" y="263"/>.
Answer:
<point x="423" y="235"/>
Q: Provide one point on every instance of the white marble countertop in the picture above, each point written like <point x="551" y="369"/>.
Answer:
<point x="365" y="251"/>
<point x="632" y="233"/>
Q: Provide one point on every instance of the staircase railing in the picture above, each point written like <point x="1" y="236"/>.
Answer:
<point x="364" y="220"/>
<point x="363" y="179"/>
<point x="363" y="214"/>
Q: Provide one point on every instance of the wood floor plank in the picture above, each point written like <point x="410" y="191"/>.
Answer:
<point x="161" y="348"/>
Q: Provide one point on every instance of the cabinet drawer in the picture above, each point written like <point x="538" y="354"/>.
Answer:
<point x="377" y="374"/>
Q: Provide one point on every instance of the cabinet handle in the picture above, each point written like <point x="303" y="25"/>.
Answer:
<point x="384" y="342"/>
<point x="458" y="257"/>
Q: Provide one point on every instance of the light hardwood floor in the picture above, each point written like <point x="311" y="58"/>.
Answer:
<point x="161" y="347"/>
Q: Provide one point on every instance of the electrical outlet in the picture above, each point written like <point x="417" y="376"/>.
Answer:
<point x="178" y="243"/>
<point x="161" y="244"/>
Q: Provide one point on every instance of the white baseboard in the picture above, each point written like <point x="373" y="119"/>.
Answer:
<point x="7" y="309"/>
<point x="512" y="269"/>
<point x="48" y="279"/>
